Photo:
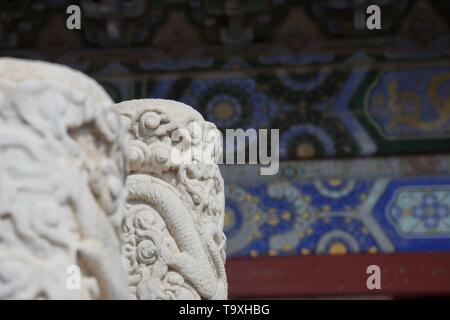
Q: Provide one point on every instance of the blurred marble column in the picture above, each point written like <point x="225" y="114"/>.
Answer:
<point x="61" y="185"/>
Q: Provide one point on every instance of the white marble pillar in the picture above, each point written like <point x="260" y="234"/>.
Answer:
<point x="173" y="232"/>
<point x="61" y="185"/>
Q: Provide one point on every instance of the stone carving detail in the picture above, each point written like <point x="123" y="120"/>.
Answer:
<point x="61" y="184"/>
<point x="172" y="235"/>
<point x="62" y="195"/>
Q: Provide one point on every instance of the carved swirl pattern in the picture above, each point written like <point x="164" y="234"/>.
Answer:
<point x="172" y="236"/>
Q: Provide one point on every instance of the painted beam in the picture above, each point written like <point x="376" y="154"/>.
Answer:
<point x="402" y="275"/>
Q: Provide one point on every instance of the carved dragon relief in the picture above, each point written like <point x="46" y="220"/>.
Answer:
<point x="62" y="195"/>
<point x="172" y="235"/>
<point x="62" y="176"/>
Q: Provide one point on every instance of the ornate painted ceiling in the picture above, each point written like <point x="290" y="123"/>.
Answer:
<point x="379" y="99"/>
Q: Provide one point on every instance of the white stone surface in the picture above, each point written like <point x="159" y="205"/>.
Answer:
<point x="61" y="184"/>
<point x="173" y="232"/>
<point x="63" y="195"/>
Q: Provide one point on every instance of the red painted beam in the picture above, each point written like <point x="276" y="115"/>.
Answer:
<point x="402" y="275"/>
